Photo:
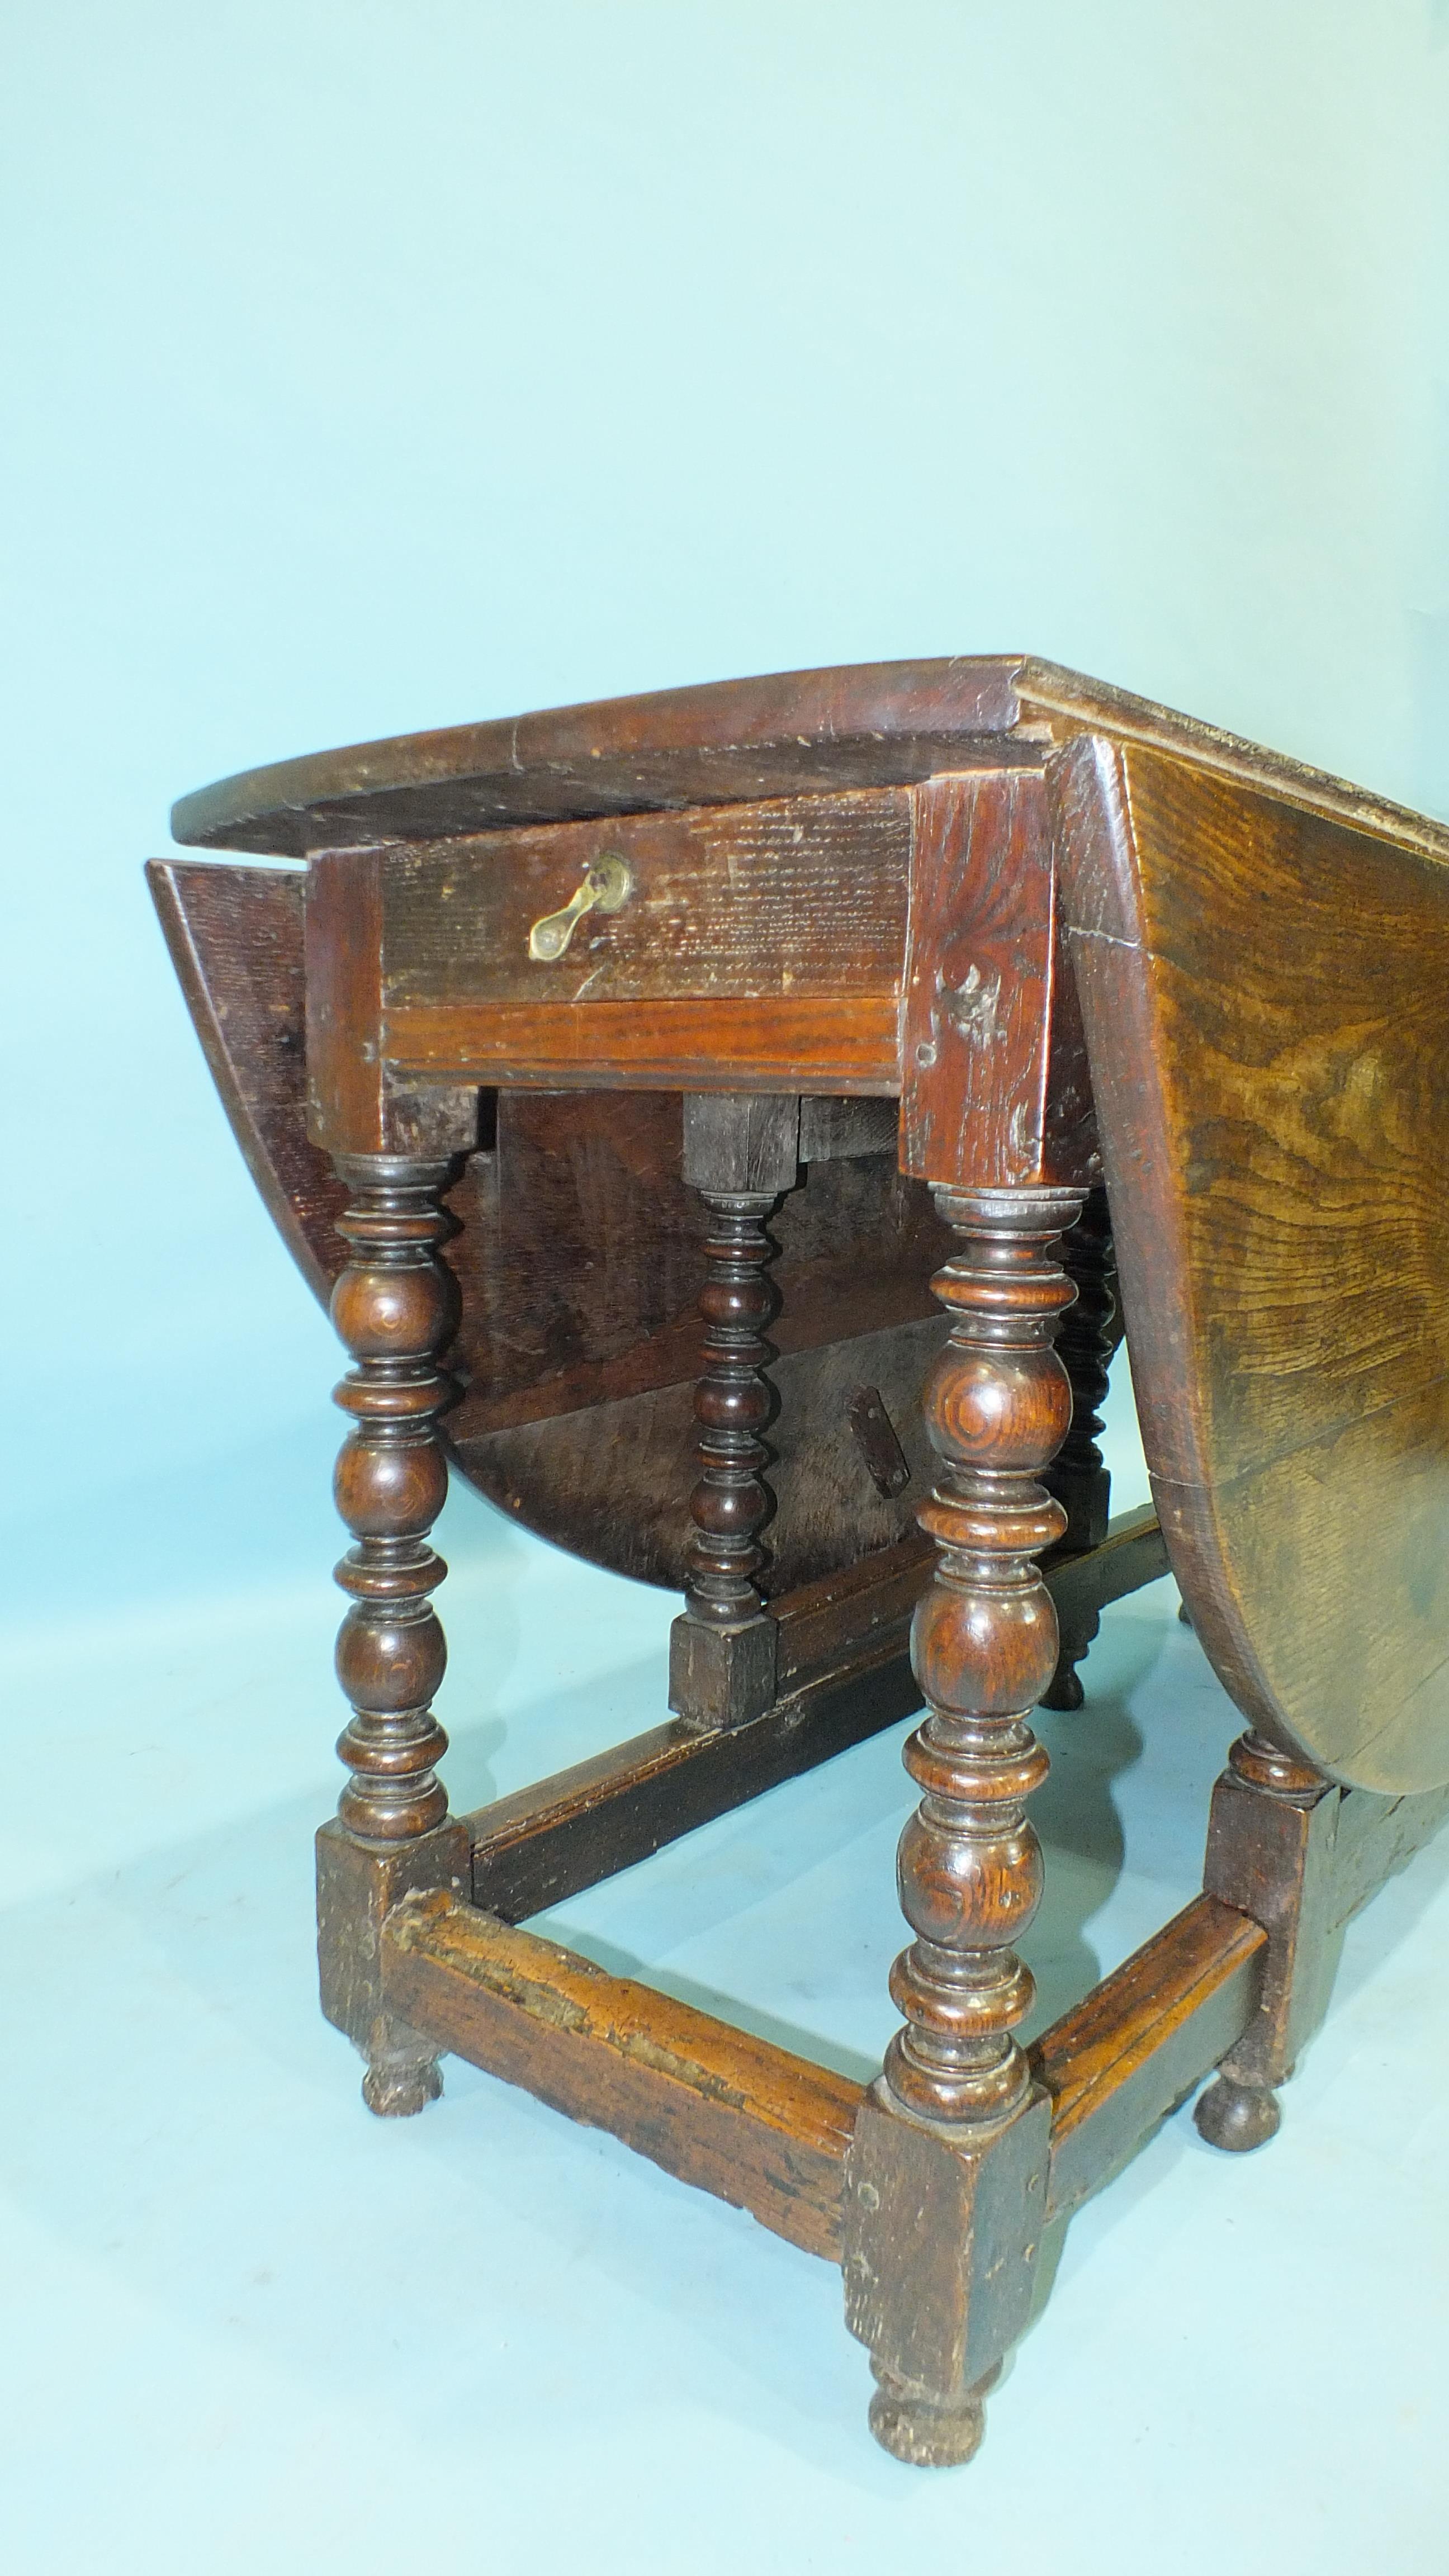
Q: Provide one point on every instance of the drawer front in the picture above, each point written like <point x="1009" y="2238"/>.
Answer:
<point x="800" y="897"/>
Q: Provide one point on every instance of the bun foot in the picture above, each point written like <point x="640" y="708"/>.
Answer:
<point x="1237" y="2117"/>
<point x="395" y="2088"/>
<point x="926" y="2436"/>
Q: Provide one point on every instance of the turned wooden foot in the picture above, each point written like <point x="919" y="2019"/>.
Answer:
<point x="1237" y="2117"/>
<point x="909" y="2424"/>
<point x="395" y="2087"/>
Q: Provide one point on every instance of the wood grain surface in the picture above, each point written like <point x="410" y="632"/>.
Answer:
<point x="1124" y="2057"/>
<point x="791" y="733"/>
<point x="1263" y="994"/>
<point x="612" y="1482"/>
<point x="579" y="1255"/>
<point x="802" y="895"/>
<point x="782" y="1042"/>
<point x="235" y="937"/>
<point x="725" y="742"/>
<point x="994" y="1082"/>
<point x="727" y="2112"/>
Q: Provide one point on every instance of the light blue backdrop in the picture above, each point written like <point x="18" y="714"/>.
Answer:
<point x="382" y="363"/>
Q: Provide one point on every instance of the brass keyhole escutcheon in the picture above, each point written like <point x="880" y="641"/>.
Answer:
<point x="606" y="888"/>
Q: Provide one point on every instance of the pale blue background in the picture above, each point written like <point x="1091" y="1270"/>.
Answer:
<point x="371" y="366"/>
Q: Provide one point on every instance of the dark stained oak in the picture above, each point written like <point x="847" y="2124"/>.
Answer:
<point x="735" y="741"/>
<point x="794" y="733"/>
<point x="578" y="1251"/>
<point x="994" y="1082"/>
<point x="1263" y="994"/>
<point x="651" y="1045"/>
<point x="983" y="1647"/>
<point x="394" y="1306"/>
<point x="235" y="937"/>
<point x="1090" y="1331"/>
<point x="741" y="1153"/>
<point x="803" y="895"/>
<point x="1138" y="2044"/>
<point x="624" y="1020"/>
<point x="739" y="2117"/>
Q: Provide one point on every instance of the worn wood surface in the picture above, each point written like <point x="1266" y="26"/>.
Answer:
<point x="1118" y="2062"/>
<point x="994" y="1082"/>
<point x="1376" y="1837"/>
<point x="941" y="2239"/>
<point x="1270" y="1852"/>
<point x="782" y="1042"/>
<point x="1260" y="953"/>
<point x="613" y="1483"/>
<point x="358" y="1884"/>
<point x="395" y="1307"/>
<point x="235" y="937"/>
<point x="579" y="1254"/>
<point x="1061" y="705"/>
<point x="785" y="734"/>
<point x="757" y="2127"/>
<point x="740" y="1154"/>
<point x="800" y="895"/>
<point x="1300" y="1856"/>
<point x="346" y="1090"/>
<point x="1263" y="993"/>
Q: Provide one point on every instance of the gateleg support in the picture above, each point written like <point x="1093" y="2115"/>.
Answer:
<point x="1272" y="1845"/>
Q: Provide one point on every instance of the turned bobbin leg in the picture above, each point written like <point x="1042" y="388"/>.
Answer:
<point x="394" y="1306"/>
<point x="1271" y="1854"/>
<point x="946" y="2189"/>
<point x="740" y="1153"/>
<point x="1078" y="1476"/>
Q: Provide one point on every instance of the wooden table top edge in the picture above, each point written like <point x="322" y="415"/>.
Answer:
<point x="963" y="711"/>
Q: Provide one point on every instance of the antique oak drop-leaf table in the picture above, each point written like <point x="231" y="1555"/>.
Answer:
<point x="733" y="1126"/>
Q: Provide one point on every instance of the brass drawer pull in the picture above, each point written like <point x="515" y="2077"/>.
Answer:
<point x="606" y="888"/>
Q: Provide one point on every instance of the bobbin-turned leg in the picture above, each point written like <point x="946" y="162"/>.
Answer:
<point x="740" y="1153"/>
<point x="1271" y="1853"/>
<point x="1078" y="1476"/>
<point x="394" y="1306"/>
<point x="946" y="2190"/>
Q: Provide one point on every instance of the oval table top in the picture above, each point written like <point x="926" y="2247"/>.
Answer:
<point x="724" y="742"/>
